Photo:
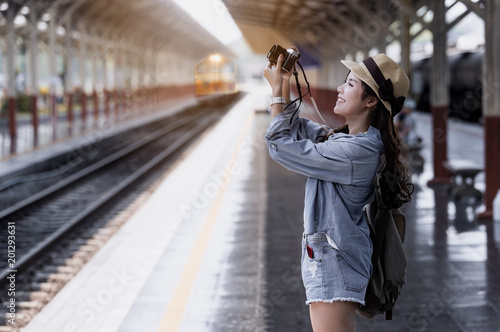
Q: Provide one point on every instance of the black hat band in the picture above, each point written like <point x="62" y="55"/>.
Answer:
<point x="386" y="90"/>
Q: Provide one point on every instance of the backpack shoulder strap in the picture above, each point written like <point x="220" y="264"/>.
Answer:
<point x="377" y="219"/>
<point x="400" y="222"/>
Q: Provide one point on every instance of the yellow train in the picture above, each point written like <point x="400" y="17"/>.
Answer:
<point x="215" y="77"/>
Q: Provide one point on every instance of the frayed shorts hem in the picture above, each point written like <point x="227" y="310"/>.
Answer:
<point x="336" y="299"/>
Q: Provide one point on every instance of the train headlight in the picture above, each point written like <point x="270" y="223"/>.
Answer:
<point x="215" y="58"/>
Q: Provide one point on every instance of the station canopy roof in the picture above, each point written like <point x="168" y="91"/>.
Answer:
<point x="316" y="24"/>
<point x="156" y="24"/>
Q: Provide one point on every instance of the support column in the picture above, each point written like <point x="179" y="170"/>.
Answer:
<point x="134" y="82"/>
<point x="94" y="75"/>
<point x="405" y="41"/>
<point x="105" y="82"/>
<point x="439" y="94"/>
<point x="82" y="65"/>
<point x="148" y="81"/>
<point x="384" y="22"/>
<point x="158" y="80"/>
<point x="127" y="84"/>
<point x="124" y="70"/>
<point x="491" y="105"/>
<point x="33" y="77"/>
<point x="381" y="45"/>
<point x="175" y="65"/>
<point x="140" y="83"/>
<point x="117" y="84"/>
<point x="68" y="84"/>
<point x="11" y="87"/>
<point x="52" y="73"/>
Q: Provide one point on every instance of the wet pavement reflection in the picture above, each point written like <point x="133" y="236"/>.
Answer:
<point x="453" y="261"/>
<point x="453" y="277"/>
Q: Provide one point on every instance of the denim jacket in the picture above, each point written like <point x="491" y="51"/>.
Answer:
<point x="340" y="174"/>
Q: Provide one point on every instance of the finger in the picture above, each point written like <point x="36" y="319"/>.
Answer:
<point x="280" y="61"/>
<point x="295" y="48"/>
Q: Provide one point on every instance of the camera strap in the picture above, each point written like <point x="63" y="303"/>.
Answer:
<point x="297" y="84"/>
<point x="296" y="74"/>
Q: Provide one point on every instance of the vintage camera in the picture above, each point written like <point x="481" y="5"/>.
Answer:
<point x="289" y="57"/>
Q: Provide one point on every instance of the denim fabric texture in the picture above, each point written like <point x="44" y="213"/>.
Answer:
<point x="326" y="276"/>
<point x="340" y="175"/>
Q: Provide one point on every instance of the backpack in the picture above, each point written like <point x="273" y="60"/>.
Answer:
<point x="387" y="231"/>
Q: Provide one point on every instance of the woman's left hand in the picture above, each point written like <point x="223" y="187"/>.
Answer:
<point x="287" y="76"/>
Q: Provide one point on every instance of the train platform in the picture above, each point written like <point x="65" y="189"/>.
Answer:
<point x="216" y="247"/>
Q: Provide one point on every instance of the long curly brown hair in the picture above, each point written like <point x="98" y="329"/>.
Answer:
<point x="395" y="185"/>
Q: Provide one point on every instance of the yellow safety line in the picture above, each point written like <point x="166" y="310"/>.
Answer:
<point x="172" y="317"/>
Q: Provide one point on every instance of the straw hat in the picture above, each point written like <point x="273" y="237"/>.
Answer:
<point x="385" y="77"/>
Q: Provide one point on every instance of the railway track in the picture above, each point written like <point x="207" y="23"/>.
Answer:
<point x="55" y="217"/>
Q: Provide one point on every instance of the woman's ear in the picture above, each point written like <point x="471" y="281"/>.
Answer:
<point x="371" y="101"/>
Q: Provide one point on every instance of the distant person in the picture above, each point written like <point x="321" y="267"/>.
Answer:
<point x="341" y="167"/>
<point x="406" y="124"/>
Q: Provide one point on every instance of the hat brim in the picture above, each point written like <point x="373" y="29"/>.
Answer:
<point x="361" y="72"/>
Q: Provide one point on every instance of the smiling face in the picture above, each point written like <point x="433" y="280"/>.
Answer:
<point x="350" y="102"/>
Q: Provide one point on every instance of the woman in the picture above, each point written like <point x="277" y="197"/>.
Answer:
<point x="341" y="168"/>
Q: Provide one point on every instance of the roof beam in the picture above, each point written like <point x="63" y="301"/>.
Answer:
<point x="408" y="10"/>
<point x="69" y="12"/>
<point x="91" y="9"/>
<point x="475" y="7"/>
<point x="370" y="17"/>
<point x="450" y="25"/>
<point x="358" y="31"/>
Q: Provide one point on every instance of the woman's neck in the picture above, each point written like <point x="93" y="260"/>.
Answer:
<point x="357" y="128"/>
<point x="358" y="123"/>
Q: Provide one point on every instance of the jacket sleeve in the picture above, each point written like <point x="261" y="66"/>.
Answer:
<point x="294" y="149"/>
<point x="302" y="128"/>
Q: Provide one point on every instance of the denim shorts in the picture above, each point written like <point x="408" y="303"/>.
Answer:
<point x="326" y="275"/>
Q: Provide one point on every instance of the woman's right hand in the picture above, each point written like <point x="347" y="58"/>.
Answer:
<point x="274" y="76"/>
